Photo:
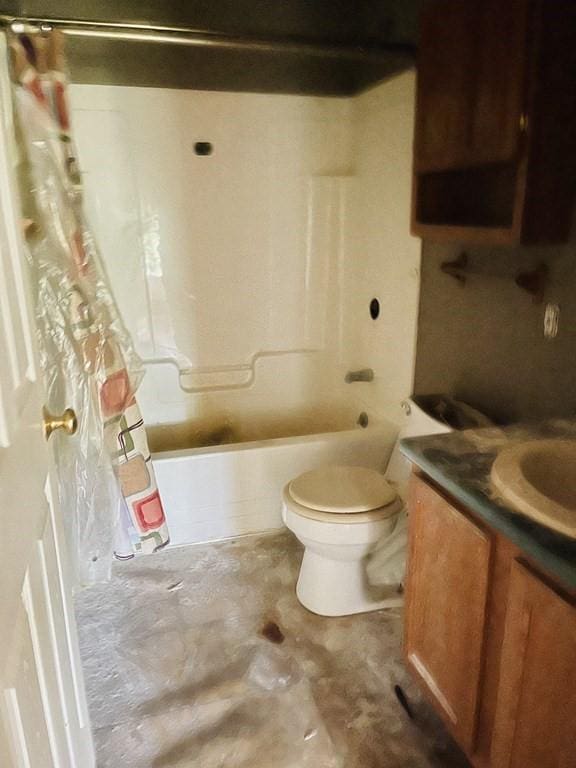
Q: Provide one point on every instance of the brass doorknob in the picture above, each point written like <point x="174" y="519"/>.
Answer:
<point x="67" y="421"/>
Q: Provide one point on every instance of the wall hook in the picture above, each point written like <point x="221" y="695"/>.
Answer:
<point x="457" y="268"/>
<point x="533" y="281"/>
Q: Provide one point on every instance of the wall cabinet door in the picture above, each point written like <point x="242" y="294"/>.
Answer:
<point x="500" y="89"/>
<point x="445" y="97"/>
<point x="536" y="710"/>
<point x="471" y="86"/>
<point x="494" y="157"/>
<point x="448" y="576"/>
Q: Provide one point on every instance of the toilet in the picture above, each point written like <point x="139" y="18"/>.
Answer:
<point x="341" y="514"/>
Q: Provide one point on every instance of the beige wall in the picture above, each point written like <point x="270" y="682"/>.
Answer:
<point x="484" y="342"/>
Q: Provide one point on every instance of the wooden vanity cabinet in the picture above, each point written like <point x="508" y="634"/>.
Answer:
<point x="491" y="641"/>
<point x="446" y="608"/>
<point x="535" y="723"/>
<point x="495" y="133"/>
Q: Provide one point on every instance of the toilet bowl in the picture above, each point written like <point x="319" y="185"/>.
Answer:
<point x="339" y="513"/>
<point x="352" y="523"/>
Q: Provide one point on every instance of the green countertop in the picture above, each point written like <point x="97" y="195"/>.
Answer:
<point x="460" y="463"/>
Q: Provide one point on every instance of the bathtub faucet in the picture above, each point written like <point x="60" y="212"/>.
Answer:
<point x="366" y="374"/>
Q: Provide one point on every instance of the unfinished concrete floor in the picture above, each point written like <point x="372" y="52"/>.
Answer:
<point x="203" y="657"/>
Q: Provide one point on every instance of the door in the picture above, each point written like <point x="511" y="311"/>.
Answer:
<point x="447" y="587"/>
<point x="534" y="724"/>
<point x="43" y="715"/>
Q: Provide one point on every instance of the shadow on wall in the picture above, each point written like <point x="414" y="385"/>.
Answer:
<point x="484" y="342"/>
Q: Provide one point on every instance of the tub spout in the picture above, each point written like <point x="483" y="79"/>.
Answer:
<point x="366" y="374"/>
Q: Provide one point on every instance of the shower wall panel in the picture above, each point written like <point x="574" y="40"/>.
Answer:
<point x="246" y="274"/>
<point x="225" y="263"/>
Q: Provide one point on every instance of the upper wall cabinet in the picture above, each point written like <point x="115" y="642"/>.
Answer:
<point x="495" y="139"/>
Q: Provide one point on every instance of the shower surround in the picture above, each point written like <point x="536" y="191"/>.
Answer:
<point x="245" y="273"/>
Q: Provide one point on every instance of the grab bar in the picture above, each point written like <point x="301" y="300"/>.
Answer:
<point x="248" y="368"/>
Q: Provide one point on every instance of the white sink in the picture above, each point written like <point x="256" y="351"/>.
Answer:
<point x="538" y="479"/>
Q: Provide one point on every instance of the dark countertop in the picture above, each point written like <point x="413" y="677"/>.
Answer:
<point x="460" y="463"/>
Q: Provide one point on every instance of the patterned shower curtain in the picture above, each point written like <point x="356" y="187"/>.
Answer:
<point x="107" y="485"/>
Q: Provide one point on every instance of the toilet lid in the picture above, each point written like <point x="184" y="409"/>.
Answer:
<point x="342" y="490"/>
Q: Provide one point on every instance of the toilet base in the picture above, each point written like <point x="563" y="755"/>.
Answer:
<point x="330" y="587"/>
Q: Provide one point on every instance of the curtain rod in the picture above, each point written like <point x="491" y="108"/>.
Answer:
<point x="201" y="39"/>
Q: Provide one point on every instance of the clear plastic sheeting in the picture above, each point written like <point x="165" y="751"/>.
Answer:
<point x="386" y="564"/>
<point x="87" y="357"/>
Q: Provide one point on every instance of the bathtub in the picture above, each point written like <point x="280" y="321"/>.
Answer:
<point x="233" y="489"/>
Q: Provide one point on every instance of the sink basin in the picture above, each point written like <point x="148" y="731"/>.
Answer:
<point x="538" y="479"/>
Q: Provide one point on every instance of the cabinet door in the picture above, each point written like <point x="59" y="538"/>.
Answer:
<point x="471" y="83"/>
<point x="445" y="95"/>
<point x="448" y="573"/>
<point x="499" y="103"/>
<point x="536" y="709"/>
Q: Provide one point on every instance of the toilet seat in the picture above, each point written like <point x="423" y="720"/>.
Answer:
<point x="342" y="494"/>
<point x="342" y="490"/>
<point x="374" y="516"/>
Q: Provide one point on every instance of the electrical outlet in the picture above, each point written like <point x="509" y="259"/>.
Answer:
<point x="551" y="320"/>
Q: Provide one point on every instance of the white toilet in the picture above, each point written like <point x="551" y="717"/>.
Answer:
<point x="340" y="514"/>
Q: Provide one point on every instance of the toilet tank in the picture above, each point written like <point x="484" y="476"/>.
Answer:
<point x="416" y="423"/>
<point x="419" y="421"/>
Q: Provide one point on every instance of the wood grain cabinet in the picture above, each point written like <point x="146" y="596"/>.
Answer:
<point x="535" y="722"/>
<point x="491" y="641"/>
<point x="494" y="148"/>
<point x="446" y="608"/>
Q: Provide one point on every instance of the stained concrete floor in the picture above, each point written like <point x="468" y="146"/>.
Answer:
<point x="202" y="656"/>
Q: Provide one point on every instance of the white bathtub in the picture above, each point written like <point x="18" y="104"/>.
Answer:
<point x="231" y="490"/>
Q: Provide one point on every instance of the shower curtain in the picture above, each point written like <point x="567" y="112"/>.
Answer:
<point x="107" y="487"/>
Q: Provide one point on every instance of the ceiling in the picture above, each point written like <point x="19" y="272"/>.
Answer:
<point x="321" y="47"/>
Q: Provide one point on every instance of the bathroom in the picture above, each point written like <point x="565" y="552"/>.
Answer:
<point x="293" y="274"/>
